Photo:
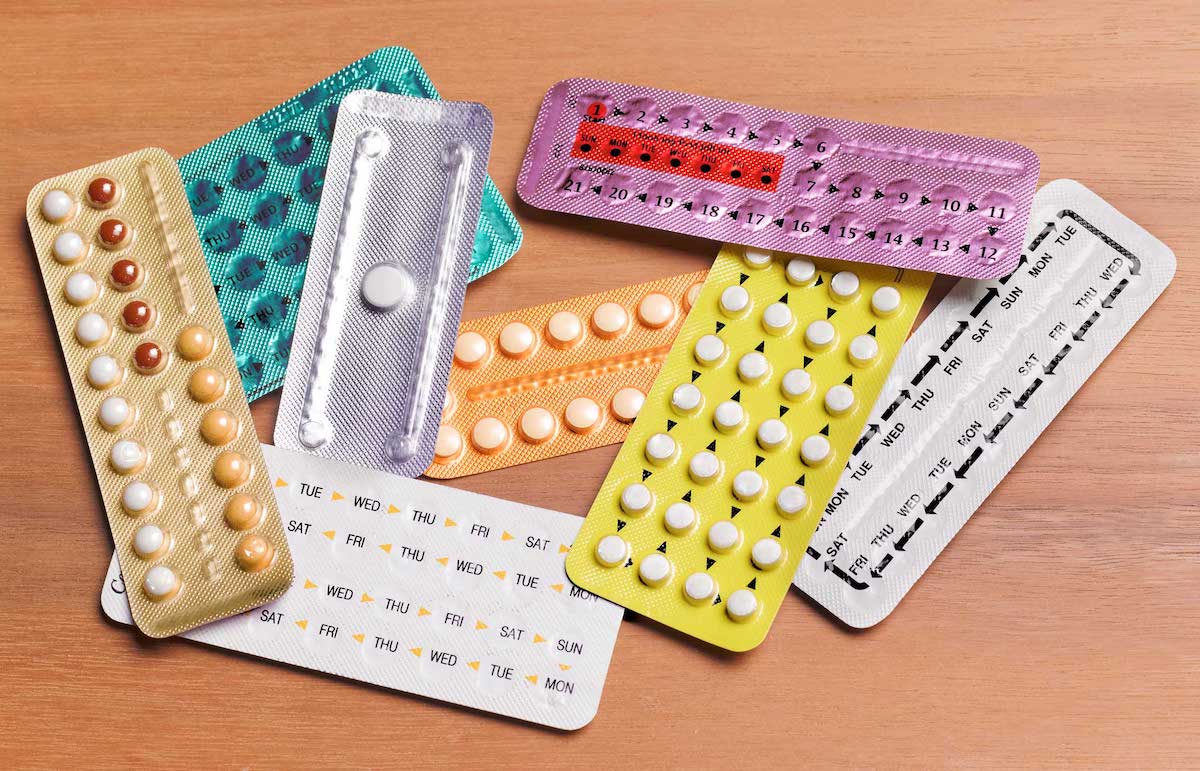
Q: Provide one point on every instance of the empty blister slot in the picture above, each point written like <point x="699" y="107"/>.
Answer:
<point x="777" y="180"/>
<point x="375" y="331"/>
<point x="554" y="379"/>
<point x="424" y="589"/>
<point x="708" y="507"/>
<point x="972" y="390"/>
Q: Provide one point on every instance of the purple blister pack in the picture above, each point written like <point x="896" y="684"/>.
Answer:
<point x="778" y="180"/>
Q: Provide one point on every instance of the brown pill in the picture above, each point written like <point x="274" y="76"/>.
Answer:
<point x="243" y="512"/>
<point x="254" y="553"/>
<point x="125" y="275"/>
<point x="137" y="316"/>
<point x="102" y="193"/>
<point x="230" y="469"/>
<point x="218" y="427"/>
<point x="149" y="358"/>
<point x="114" y="234"/>
<point x="194" y="343"/>
<point x="207" y="385"/>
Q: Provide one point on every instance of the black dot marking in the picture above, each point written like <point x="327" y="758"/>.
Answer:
<point x="645" y="157"/>
<point x="735" y="173"/>
<point x="615" y="152"/>
<point x="766" y="179"/>
<point x="705" y="168"/>
<point x="676" y="163"/>
<point x="585" y="148"/>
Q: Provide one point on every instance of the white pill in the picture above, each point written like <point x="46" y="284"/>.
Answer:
<point x="734" y="300"/>
<point x="791" y="501"/>
<point x="748" y="485"/>
<point x="753" y="367"/>
<point x="470" y="349"/>
<point x="757" y="258"/>
<point x="386" y="286"/>
<point x="137" y="498"/>
<point x="723" y="536"/>
<point x="679" y="518"/>
<point x="815" y="450"/>
<point x="885" y="301"/>
<point x="636" y="499"/>
<point x="819" y="335"/>
<point x="114" y="412"/>
<point x="686" y="399"/>
<point x="796" y="383"/>
<point x="767" y="553"/>
<point x="516" y="340"/>
<point x="839" y="399"/>
<point x="148" y="541"/>
<point x="660" y="448"/>
<point x="864" y="349"/>
<point x="800" y="271"/>
<point x="127" y="456"/>
<point x="81" y="288"/>
<point x="160" y="582"/>
<point x="741" y="605"/>
<point x="103" y="371"/>
<point x="699" y="587"/>
<point x="565" y="329"/>
<point x="68" y="247"/>
<point x="704" y="467"/>
<point x="772" y="433"/>
<point x="654" y="570"/>
<point x="91" y="329"/>
<point x="843" y="285"/>
<point x="611" y="550"/>
<point x="777" y="318"/>
<point x="57" y="205"/>
<point x="710" y="349"/>
<point x="728" y="416"/>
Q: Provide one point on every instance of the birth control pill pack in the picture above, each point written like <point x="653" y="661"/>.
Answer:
<point x="392" y="247"/>
<point x="180" y="472"/>
<point x="254" y="193"/>
<point x="778" y="180"/>
<point x="558" y="378"/>
<point x="976" y="385"/>
<point x="426" y="589"/>
<point x="707" y="509"/>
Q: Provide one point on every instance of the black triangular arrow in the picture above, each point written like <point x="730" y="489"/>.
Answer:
<point x="797" y="144"/>
<point x="971" y="207"/>
<point x="688" y="496"/>
<point x="829" y="313"/>
<point x="919" y="240"/>
<point x="778" y="531"/>
<point x="784" y="299"/>
<point x="849" y="379"/>
<point x="629" y="564"/>
<point x="737" y="396"/>
<point x="734" y="511"/>
<point x="687" y="205"/>
<point x="717" y="601"/>
<point x="778" y="223"/>
<point x="695" y="375"/>
<point x="598" y="189"/>
<point x="743" y="278"/>
<point x="807" y="360"/>
<point x="831" y="189"/>
<point x="878" y="194"/>
<point x="783" y="410"/>
<point x="819" y="280"/>
<point x="965" y="248"/>
<point x="817" y="165"/>
<point x="871" y="331"/>
<point x="758" y="459"/>
<point x="645" y="475"/>
<point x="733" y="215"/>
<point x="706" y="127"/>
<point x="824" y="229"/>
<point x="620" y="525"/>
<point x="925" y="201"/>
<point x="751" y="135"/>
<point x="670" y="424"/>
<point x="825" y="430"/>
<point x="240" y="325"/>
<point x="800" y="481"/>
<point x="642" y="197"/>
<point x="761" y="346"/>
<point x="753" y="583"/>
<point x="709" y="562"/>
<point x="662" y="118"/>
<point x="217" y="288"/>
<point x="870" y="234"/>
<point x="720" y="326"/>
<point x="992" y="231"/>
<point x="662" y="547"/>
<point x="712" y="446"/>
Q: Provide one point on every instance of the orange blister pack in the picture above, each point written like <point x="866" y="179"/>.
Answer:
<point x="555" y="379"/>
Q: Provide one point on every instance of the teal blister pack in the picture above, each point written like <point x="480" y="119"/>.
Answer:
<point x="254" y="195"/>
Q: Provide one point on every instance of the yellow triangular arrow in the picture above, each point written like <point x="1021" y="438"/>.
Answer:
<point x="480" y="625"/>
<point x="531" y="678"/>
<point x="500" y="574"/>
<point x="329" y="534"/>
<point x="309" y="584"/>
<point x="387" y="547"/>
<point x="415" y="651"/>
<point x="473" y="665"/>
<point x="424" y="612"/>
<point x="338" y="496"/>
<point x="563" y="548"/>
<point x="557" y="587"/>
<point x="450" y="522"/>
<point x="443" y="560"/>
<point x="392" y="509"/>
<point x="537" y="638"/>
<point x="302" y="624"/>
<point x="280" y="483"/>
<point x="358" y="636"/>
<point x="367" y="598"/>
<point x="564" y="667"/>
<point x="506" y="536"/>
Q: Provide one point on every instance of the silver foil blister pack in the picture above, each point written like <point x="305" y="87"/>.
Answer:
<point x="387" y="273"/>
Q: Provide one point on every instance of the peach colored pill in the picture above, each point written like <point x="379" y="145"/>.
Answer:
<point x="656" y="310"/>
<point x="537" y="425"/>
<point x="517" y="340"/>
<point x="582" y="415"/>
<point x="471" y="350"/>
<point x="564" y="330"/>
<point x="610" y="320"/>
<point x="627" y="403"/>
<point x="489" y="436"/>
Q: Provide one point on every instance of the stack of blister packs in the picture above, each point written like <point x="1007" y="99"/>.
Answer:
<point x="788" y="430"/>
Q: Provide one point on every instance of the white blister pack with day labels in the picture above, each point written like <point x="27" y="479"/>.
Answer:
<point x="971" y="391"/>
<point x="386" y="277"/>
<point x="422" y="588"/>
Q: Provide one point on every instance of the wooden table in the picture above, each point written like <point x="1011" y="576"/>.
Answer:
<point x="1059" y="628"/>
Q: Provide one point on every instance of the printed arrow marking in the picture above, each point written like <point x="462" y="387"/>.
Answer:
<point x="931" y="507"/>
<point x="302" y="624"/>
<point x="646" y="474"/>
<point x="934" y="360"/>
<point x="813" y="553"/>
<point x="309" y="584"/>
<point x="1120" y="287"/>
<point x="1083" y="328"/>
<point x="849" y="579"/>
<point x="695" y="375"/>
<point x="891" y="410"/>
<point x="734" y="511"/>
<point x="1021" y="261"/>
<point x="709" y="562"/>
<point x="387" y="547"/>
<point x="480" y="625"/>
<point x="358" y="637"/>
<point x="971" y="207"/>
<point x="743" y="278"/>
<point x="1023" y="398"/>
<point x="988" y="296"/>
<point x="916" y="525"/>
<point x="366" y="598"/>
<point x="443" y="561"/>
<point x="506" y="536"/>
<point x="877" y="571"/>
<point x="872" y="430"/>
<point x="918" y="241"/>
<point x="1135" y="265"/>
<point x="990" y="436"/>
<point x="501" y="574"/>
<point x="329" y="534"/>
<point x="338" y="496"/>
<point x="957" y="333"/>
<point x="961" y="471"/>
<point x="280" y="483"/>
<point x="392" y="509"/>
<point x="1058" y="357"/>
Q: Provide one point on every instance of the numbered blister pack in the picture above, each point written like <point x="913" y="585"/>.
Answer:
<point x="425" y="589"/>
<point x="378" y="319"/>
<point x="707" y="509"/>
<point x="541" y="382"/>
<point x="778" y="180"/>
<point x="169" y="431"/>
<point x="254" y="194"/>
<point x="972" y="390"/>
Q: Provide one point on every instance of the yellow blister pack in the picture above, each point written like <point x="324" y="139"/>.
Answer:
<point x="706" y="511"/>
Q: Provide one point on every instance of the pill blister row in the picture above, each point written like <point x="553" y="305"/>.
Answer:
<point x="254" y="193"/>
<point x="777" y="180"/>
<point x="558" y="378"/>
<point x="425" y="589"/>
<point x="716" y="491"/>
<point x="972" y="390"/>
<point x="175" y="453"/>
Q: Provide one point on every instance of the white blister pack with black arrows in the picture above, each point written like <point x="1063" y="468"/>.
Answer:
<point x="972" y="389"/>
<point x="422" y="588"/>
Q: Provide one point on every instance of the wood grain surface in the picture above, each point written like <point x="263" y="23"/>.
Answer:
<point x="1060" y="628"/>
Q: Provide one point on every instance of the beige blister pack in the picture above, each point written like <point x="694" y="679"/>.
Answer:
<point x="558" y="378"/>
<point x="180" y="470"/>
